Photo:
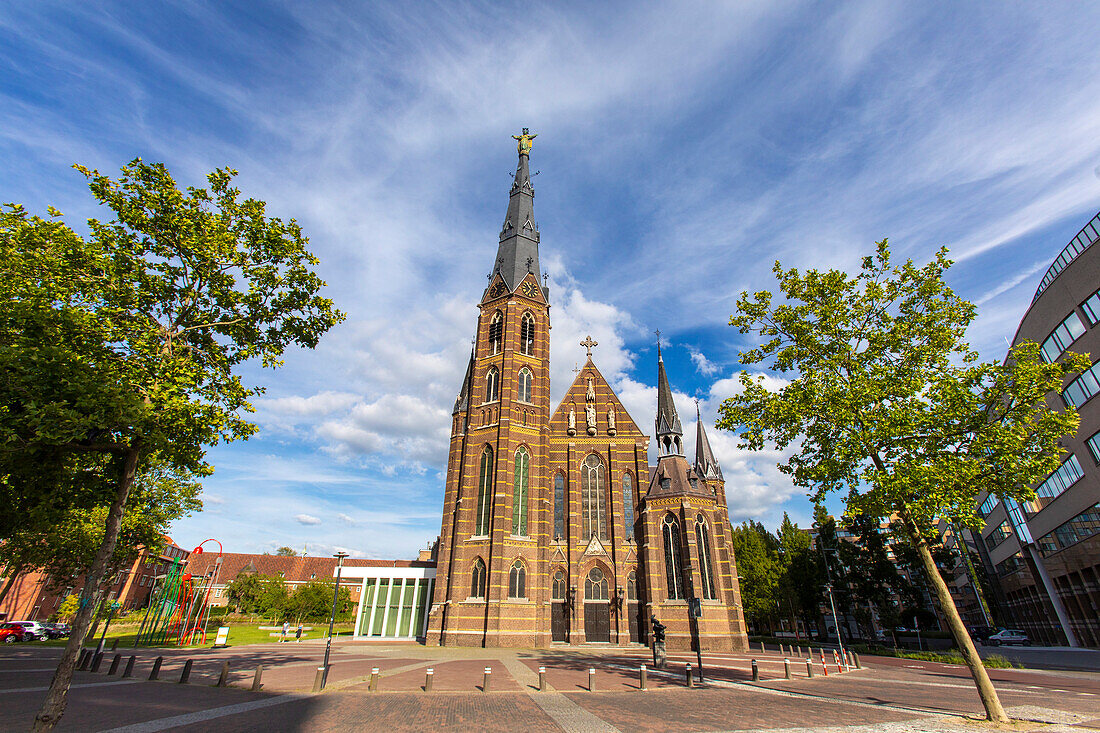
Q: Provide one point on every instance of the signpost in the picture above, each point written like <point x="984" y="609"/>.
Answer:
<point x="223" y="638"/>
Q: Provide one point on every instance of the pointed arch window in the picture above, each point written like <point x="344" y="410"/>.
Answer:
<point x="519" y="492"/>
<point x="593" y="498"/>
<point x="477" y="579"/>
<point x="674" y="573"/>
<point x="517" y="581"/>
<point x="484" y="492"/>
<point x="496" y="332"/>
<point x="527" y="334"/>
<point x="492" y="385"/>
<point x="632" y="586"/>
<point x="525" y="385"/>
<point x="595" y="586"/>
<point x="702" y="544"/>
<point x="557" y="590"/>
<point x="559" y="506"/>
<point x="628" y="505"/>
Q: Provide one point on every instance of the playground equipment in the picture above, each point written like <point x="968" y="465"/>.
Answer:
<point x="179" y="608"/>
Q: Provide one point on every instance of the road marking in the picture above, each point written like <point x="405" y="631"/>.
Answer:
<point x="88" y="684"/>
<point x="569" y="715"/>
<point x="151" y="726"/>
<point x="41" y="669"/>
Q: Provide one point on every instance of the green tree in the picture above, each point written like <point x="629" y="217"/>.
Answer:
<point x="759" y="570"/>
<point x="67" y="609"/>
<point x="313" y="601"/>
<point x="285" y="551"/>
<point x="889" y="403"/>
<point x="273" y="597"/>
<point x="126" y="344"/>
<point x="243" y="592"/>
<point x="802" y="575"/>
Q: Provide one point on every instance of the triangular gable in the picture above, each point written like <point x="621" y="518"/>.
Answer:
<point x="595" y="547"/>
<point x="625" y="427"/>
<point x="497" y="289"/>
<point x="529" y="288"/>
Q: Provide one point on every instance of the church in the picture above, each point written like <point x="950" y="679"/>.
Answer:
<point x="556" y="528"/>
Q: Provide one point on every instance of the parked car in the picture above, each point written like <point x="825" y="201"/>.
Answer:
<point x="32" y="630"/>
<point x="1009" y="636"/>
<point x="11" y="633"/>
<point x="57" y="631"/>
<point x="981" y="634"/>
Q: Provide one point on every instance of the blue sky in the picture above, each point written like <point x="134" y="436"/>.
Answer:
<point x="682" y="149"/>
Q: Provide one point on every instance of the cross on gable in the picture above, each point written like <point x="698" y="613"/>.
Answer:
<point x="576" y="368"/>
<point x="588" y="343"/>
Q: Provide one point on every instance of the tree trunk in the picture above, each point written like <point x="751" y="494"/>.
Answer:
<point x="14" y="571"/>
<point x="994" y="711"/>
<point x="53" y="707"/>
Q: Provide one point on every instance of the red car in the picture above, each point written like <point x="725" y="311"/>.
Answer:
<point x="11" y="633"/>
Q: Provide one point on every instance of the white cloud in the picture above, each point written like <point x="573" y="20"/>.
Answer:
<point x="306" y="519"/>
<point x="703" y="365"/>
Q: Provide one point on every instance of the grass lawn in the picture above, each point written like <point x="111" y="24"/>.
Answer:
<point x="240" y="634"/>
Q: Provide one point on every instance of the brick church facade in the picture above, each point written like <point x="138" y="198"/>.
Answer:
<point x="555" y="527"/>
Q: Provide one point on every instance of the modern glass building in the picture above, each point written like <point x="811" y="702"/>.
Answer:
<point x="1044" y="556"/>
<point x="393" y="601"/>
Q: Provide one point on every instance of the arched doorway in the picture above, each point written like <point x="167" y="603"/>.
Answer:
<point x="559" y="614"/>
<point x="597" y="609"/>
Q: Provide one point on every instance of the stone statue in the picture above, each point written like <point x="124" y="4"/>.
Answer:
<point x="611" y="418"/>
<point x="572" y="420"/>
<point x="524" y="144"/>
<point x="590" y="395"/>
<point x="590" y="417"/>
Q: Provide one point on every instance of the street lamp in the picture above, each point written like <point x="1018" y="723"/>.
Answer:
<point x="832" y="603"/>
<point x="332" y="617"/>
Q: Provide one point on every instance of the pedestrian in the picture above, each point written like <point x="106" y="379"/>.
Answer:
<point x="286" y="630"/>
<point x="298" y="633"/>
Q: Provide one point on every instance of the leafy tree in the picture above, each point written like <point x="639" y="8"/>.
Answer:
<point x="891" y="404"/>
<point x="243" y="592"/>
<point x="802" y="575"/>
<point x="758" y="568"/>
<point x="67" y="609"/>
<point x="285" y="551"/>
<point x="126" y="344"/>
<point x="273" y="598"/>
<point x="313" y="601"/>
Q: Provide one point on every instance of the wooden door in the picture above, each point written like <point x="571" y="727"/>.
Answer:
<point x="559" y="622"/>
<point x="634" y="622"/>
<point x="597" y="621"/>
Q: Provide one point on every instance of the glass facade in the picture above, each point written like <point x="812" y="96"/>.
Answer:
<point x="1076" y="246"/>
<point x="1053" y="485"/>
<point x="1081" y="527"/>
<point x="1094" y="447"/>
<point x="1067" y="332"/>
<point x="1091" y="307"/>
<point x="394" y="607"/>
<point x="988" y="505"/>
<point x="1086" y="386"/>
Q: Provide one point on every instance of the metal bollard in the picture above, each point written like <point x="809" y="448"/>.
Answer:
<point x="257" y="677"/>
<point x="429" y="678"/>
<point x="96" y="661"/>
<point x="542" y="679"/>
<point x="129" y="671"/>
<point x="591" y="679"/>
<point x="85" y="659"/>
<point x="856" y="657"/>
<point x="687" y="674"/>
<point x="800" y="651"/>
<point x="155" y="673"/>
<point x="319" y="679"/>
<point x="642" y="677"/>
<point x="223" y="678"/>
<point x="787" y="668"/>
<point x="114" y="665"/>
<point x="373" y="685"/>
<point x="186" y="673"/>
<point x="755" y="672"/>
<point x="810" y="669"/>
<point x="486" y="678"/>
<point x="114" y="644"/>
<point x="762" y="651"/>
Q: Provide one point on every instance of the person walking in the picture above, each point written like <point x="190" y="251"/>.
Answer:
<point x="298" y="633"/>
<point x="286" y="630"/>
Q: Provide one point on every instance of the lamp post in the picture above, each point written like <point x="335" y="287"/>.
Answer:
<point x="832" y="603"/>
<point x="332" y="617"/>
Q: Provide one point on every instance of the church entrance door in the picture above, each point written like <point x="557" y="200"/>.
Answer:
<point x="597" y="621"/>
<point x="634" y="621"/>
<point x="559" y="621"/>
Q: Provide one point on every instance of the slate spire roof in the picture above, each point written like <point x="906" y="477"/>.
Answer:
<point x="463" y="400"/>
<point x="668" y="430"/>
<point x="706" y="465"/>
<point x="518" y="252"/>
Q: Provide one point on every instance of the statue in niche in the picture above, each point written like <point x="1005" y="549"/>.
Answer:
<point x="572" y="420"/>
<point x="590" y="395"/>
<point x="590" y="417"/>
<point x="611" y="419"/>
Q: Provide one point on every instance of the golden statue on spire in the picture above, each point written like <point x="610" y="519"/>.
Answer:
<point x="524" y="145"/>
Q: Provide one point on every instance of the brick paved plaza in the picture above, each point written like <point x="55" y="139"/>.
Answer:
<point x="890" y="695"/>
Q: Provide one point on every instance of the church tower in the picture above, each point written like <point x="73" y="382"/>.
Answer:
<point x="495" y="493"/>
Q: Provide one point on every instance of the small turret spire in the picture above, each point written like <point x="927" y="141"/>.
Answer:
<point x="670" y="435"/>
<point x="706" y="465"/>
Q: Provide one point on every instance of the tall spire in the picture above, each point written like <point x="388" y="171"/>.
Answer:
<point x="518" y="252"/>
<point x="706" y="465"/>
<point x="670" y="435"/>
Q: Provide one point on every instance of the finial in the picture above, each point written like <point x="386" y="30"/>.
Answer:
<point x="576" y="368"/>
<point x="697" y="415"/>
<point x="545" y="277"/>
<point x="588" y="343"/>
<point x="524" y="144"/>
<point x="658" y="332"/>
<point x="530" y="261"/>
